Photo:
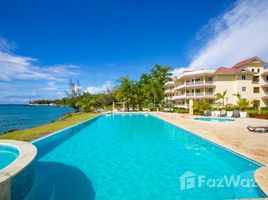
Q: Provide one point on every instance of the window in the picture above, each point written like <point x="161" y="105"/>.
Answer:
<point x="255" y="79"/>
<point x="243" y="77"/>
<point x="256" y="90"/>
<point x="252" y="69"/>
<point x="266" y="78"/>
<point x="244" y="89"/>
<point x="210" y="78"/>
<point x="258" y="70"/>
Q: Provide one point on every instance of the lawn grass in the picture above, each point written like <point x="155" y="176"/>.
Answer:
<point x="39" y="131"/>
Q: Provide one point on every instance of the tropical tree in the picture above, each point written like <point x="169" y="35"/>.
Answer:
<point x="125" y="90"/>
<point x="75" y="90"/>
<point x="200" y="106"/>
<point x="88" y="103"/>
<point x="221" y="96"/>
<point x="161" y="73"/>
<point x="243" y="104"/>
<point x="154" y="92"/>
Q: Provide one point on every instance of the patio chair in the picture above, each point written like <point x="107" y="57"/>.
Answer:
<point x="223" y="113"/>
<point x="236" y="114"/>
<point x="258" y="129"/>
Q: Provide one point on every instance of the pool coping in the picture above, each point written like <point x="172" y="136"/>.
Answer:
<point x="259" y="175"/>
<point x="27" y="153"/>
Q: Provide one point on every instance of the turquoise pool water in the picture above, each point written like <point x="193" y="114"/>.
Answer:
<point x="217" y="119"/>
<point x="7" y="155"/>
<point x="134" y="157"/>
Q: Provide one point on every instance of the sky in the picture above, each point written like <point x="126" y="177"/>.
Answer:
<point x="45" y="43"/>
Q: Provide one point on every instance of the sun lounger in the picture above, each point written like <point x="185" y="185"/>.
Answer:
<point x="258" y="129"/>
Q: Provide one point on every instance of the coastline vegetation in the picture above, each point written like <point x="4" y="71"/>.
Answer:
<point x="147" y="92"/>
<point x="39" y="131"/>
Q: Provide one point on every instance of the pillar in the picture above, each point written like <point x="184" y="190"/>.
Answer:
<point x="191" y="108"/>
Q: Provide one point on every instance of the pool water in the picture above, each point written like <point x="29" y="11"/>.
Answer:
<point x="7" y="155"/>
<point x="217" y="119"/>
<point x="133" y="157"/>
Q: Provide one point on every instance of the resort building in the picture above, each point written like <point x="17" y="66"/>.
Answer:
<point x="249" y="78"/>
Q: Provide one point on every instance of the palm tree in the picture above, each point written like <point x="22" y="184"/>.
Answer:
<point x="238" y="95"/>
<point x="243" y="104"/>
<point x="220" y="96"/>
<point x="125" y="90"/>
<point x="153" y="91"/>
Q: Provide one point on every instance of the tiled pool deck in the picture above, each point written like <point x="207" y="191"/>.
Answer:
<point x="232" y="135"/>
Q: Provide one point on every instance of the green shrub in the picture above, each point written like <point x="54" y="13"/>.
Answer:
<point x="180" y="110"/>
<point x="200" y="106"/>
<point x="230" y="107"/>
<point x="259" y="116"/>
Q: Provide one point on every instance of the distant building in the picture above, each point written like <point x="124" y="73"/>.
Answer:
<point x="248" y="77"/>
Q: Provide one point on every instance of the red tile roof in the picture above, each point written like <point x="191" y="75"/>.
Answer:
<point x="225" y="70"/>
<point x="238" y="67"/>
<point x="247" y="61"/>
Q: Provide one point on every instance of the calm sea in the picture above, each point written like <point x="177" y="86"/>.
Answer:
<point x="24" y="116"/>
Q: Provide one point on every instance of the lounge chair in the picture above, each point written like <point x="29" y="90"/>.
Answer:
<point x="223" y="113"/>
<point x="258" y="129"/>
<point x="207" y="113"/>
<point x="236" y="114"/>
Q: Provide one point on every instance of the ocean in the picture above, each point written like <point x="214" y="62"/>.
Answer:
<point x="24" y="116"/>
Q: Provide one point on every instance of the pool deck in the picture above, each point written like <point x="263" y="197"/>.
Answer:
<point x="231" y="135"/>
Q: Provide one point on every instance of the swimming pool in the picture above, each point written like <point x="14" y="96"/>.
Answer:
<point x="214" y="119"/>
<point x="134" y="157"/>
<point x="7" y="155"/>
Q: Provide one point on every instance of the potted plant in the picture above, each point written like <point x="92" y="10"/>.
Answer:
<point x="229" y="109"/>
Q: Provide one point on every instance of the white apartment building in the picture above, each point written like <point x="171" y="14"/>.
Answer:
<point x="248" y="77"/>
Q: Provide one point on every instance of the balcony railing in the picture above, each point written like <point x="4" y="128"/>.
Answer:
<point x="209" y="93"/>
<point x="189" y="94"/>
<point x="209" y="82"/>
<point x="199" y="82"/>
<point x="189" y="83"/>
<point x="199" y="94"/>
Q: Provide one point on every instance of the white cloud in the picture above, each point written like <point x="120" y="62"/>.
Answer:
<point x="239" y="33"/>
<point x="51" y="86"/>
<point x="100" y="89"/>
<point x="6" y="46"/>
<point x="15" y="67"/>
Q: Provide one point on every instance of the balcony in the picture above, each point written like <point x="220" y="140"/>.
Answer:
<point x="265" y="96"/>
<point x="197" y="95"/>
<point x="265" y="84"/>
<point x="209" y="94"/>
<point x="170" y="83"/>
<point x="189" y="94"/>
<point x="189" y="83"/>
<point x="199" y="84"/>
<point x="169" y="91"/>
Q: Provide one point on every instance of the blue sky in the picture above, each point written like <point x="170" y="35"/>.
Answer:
<point x="45" y="43"/>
